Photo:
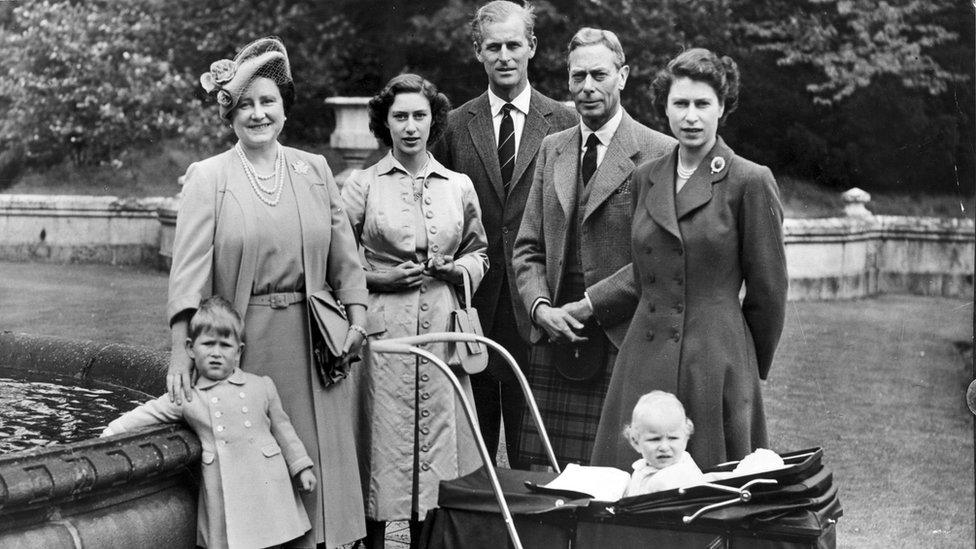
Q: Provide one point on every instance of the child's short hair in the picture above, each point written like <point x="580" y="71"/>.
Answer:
<point x="653" y="400"/>
<point x="217" y="315"/>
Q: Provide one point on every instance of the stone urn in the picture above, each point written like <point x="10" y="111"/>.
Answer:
<point x="351" y="137"/>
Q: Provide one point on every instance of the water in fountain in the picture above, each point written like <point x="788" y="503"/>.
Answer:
<point x="41" y="410"/>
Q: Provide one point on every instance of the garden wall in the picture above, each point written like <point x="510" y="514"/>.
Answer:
<point x="832" y="258"/>
<point x="79" y="229"/>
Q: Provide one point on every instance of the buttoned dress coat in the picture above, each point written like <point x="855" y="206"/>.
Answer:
<point x="250" y="454"/>
<point x="571" y="410"/>
<point x="691" y="335"/>
<point x="218" y="250"/>
<point x="468" y="146"/>
<point x="392" y="388"/>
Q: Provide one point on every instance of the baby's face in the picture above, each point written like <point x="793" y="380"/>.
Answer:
<point x="660" y="437"/>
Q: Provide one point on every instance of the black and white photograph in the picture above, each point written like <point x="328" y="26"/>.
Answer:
<point x="487" y="274"/>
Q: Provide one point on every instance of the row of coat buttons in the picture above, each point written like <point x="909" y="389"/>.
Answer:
<point x="215" y="400"/>
<point x="218" y="413"/>
<point x="675" y="335"/>
<point x="679" y="308"/>
<point x="678" y="279"/>
<point x="221" y="428"/>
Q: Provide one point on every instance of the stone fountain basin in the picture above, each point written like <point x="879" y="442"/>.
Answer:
<point x="132" y="490"/>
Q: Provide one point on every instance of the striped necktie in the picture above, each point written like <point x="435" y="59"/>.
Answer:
<point x="506" y="144"/>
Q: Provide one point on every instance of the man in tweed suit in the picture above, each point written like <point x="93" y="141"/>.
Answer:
<point x="504" y="42"/>
<point x="572" y="254"/>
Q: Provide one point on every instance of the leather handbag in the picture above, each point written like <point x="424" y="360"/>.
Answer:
<point x="329" y="327"/>
<point x="470" y="356"/>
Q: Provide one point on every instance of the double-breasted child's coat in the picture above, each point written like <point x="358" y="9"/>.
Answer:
<point x="250" y="454"/>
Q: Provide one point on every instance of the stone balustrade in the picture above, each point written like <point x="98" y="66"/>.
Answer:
<point x="829" y="258"/>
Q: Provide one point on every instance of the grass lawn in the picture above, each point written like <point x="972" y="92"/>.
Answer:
<point x="879" y="383"/>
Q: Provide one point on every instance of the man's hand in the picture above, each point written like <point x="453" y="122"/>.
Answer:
<point x="580" y="310"/>
<point x="558" y="324"/>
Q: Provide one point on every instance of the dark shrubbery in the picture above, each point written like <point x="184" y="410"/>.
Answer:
<point x="877" y="94"/>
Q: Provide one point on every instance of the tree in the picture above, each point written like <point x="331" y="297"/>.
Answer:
<point x="80" y="83"/>
<point x="854" y="42"/>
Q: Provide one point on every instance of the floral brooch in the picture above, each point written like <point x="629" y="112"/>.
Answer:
<point x="717" y="165"/>
<point x="300" y="167"/>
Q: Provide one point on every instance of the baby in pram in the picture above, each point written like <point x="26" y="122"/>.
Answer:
<point x="659" y="430"/>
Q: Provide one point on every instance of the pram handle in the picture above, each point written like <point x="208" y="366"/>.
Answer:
<point x="402" y="345"/>
<point x="407" y="345"/>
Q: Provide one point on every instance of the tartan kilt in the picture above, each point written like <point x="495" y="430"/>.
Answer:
<point x="570" y="409"/>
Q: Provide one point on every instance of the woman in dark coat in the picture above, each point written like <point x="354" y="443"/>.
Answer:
<point x="706" y="224"/>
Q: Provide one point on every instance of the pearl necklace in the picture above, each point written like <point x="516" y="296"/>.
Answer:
<point x="685" y="174"/>
<point x="253" y="177"/>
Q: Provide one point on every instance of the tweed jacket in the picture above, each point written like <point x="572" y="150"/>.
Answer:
<point x="540" y="248"/>
<point x="468" y="146"/>
<point x="250" y="453"/>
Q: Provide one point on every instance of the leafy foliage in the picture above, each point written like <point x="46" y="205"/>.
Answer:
<point x="80" y="82"/>
<point x="855" y="41"/>
<point x="874" y="93"/>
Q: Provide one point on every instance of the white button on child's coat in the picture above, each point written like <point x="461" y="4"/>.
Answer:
<point x="241" y="394"/>
<point x="220" y="428"/>
<point x="247" y="423"/>
<point x="218" y="413"/>
<point x="244" y="409"/>
<point x="215" y="400"/>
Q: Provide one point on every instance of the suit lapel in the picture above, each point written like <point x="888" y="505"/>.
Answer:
<point x="536" y="127"/>
<point x="659" y="200"/>
<point x="238" y="188"/>
<point x="698" y="190"/>
<point x="483" y="136"/>
<point x="618" y="164"/>
<point x="565" y="171"/>
<point x="300" y="183"/>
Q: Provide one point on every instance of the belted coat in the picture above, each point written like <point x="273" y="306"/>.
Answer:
<point x="407" y="412"/>
<point x="691" y="335"/>
<point x="250" y="454"/>
<point x="230" y="244"/>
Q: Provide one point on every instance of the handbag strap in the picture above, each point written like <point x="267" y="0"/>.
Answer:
<point x="466" y="282"/>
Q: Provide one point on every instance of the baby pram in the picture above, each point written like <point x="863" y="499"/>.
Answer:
<point x="792" y="507"/>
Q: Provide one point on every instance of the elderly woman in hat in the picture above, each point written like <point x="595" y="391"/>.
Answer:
<point x="262" y="225"/>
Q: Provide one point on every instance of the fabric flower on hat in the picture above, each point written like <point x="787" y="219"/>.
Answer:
<point x="224" y="98"/>
<point x="223" y="70"/>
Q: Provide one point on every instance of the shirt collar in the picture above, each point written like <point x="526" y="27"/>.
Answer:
<point x="605" y="133"/>
<point x="236" y="377"/>
<point x="521" y="101"/>
<point x="389" y="163"/>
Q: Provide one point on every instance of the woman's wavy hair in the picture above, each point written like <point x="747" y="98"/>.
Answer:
<point x="702" y="65"/>
<point x="379" y="106"/>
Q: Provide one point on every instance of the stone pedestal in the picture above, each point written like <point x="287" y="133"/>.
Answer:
<point x="351" y="137"/>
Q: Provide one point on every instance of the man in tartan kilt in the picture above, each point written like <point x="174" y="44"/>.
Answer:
<point x="572" y="254"/>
